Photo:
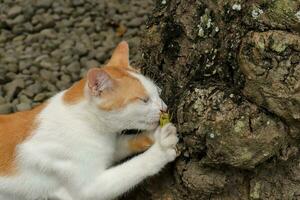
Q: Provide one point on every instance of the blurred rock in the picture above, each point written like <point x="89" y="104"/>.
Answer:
<point x="74" y="67"/>
<point x="43" y="40"/>
<point x="43" y="3"/>
<point x="5" y="108"/>
<point x="23" y="107"/>
<point x="14" y="11"/>
<point x="11" y="88"/>
<point x="91" y="63"/>
<point x="2" y="100"/>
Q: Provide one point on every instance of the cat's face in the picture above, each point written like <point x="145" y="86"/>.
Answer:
<point x="127" y="97"/>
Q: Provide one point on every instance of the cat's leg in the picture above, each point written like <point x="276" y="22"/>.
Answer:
<point x="128" y="145"/>
<point x="119" y="179"/>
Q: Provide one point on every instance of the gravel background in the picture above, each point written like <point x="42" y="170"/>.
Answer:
<point x="46" y="45"/>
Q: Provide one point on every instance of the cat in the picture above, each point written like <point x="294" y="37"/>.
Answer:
<point x="69" y="146"/>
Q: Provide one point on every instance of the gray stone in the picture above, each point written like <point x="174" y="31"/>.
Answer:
<point x="28" y="27"/>
<point x="51" y="87"/>
<point x="135" y="22"/>
<point x="3" y="77"/>
<point x="47" y="20"/>
<point x="61" y="85"/>
<point x="24" y="99"/>
<point x="66" y="60"/>
<point x="45" y="74"/>
<point x="57" y="53"/>
<point x="18" y="20"/>
<point x="46" y="64"/>
<point x="44" y="3"/>
<point x="14" y="11"/>
<point x="2" y="100"/>
<point x="101" y="54"/>
<point x="86" y="22"/>
<point x="28" y="93"/>
<point x="3" y="37"/>
<point x="24" y="64"/>
<point x="12" y="67"/>
<point x="5" y="108"/>
<point x="66" y="79"/>
<point x="35" y="88"/>
<point x="28" y="10"/>
<point x="77" y="2"/>
<point x="41" y="58"/>
<point x="68" y="44"/>
<point x="12" y="87"/>
<point x="49" y="33"/>
<point x="80" y="49"/>
<point x="11" y="75"/>
<point x="73" y="67"/>
<point x="23" y="107"/>
<point x="40" y="97"/>
<point x="26" y="72"/>
<point x="33" y="70"/>
<point x="91" y="64"/>
<point x="10" y="59"/>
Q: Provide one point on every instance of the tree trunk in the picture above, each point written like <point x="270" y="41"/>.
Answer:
<point x="230" y="73"/>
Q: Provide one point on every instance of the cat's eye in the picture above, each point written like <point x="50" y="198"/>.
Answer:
<point x="145" y="99"/>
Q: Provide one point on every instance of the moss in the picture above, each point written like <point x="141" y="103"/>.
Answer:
<point x="246" y="156"/>
<point x="254" y="194"/>
<point x="239" y="126"/>
<point x="278" y="46"/>
<point x="261" y="44"/>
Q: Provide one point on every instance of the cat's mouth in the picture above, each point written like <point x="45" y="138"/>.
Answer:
<point x="131" y="132"/>
<point x="148" y="126"/>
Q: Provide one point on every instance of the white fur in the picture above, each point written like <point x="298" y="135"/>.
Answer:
<point x="74" y="148"/>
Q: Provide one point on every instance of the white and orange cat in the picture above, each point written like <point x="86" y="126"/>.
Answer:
<point x="68" y="146"/>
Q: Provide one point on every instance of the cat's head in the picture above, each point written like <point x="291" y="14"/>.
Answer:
<point x="128" y="97"/>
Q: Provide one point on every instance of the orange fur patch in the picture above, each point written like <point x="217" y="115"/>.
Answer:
<point x="14" y="129"/>
<point x="127" y="89"/>
<point x="76" y="93"/>
<point x="120" y="56"/>
<point x="140" y="143"/>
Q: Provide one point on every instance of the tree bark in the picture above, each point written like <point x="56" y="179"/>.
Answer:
<point x="230" y="73"/>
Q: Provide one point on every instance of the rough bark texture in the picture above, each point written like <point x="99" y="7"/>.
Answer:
<point x="230" y="71"/>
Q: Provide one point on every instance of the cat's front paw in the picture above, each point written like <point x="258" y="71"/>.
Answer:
<point x="166" y="140"/>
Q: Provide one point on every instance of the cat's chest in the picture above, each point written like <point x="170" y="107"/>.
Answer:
<point x="86" y="152"/>
<point x="97" y="152"/>
<point x="100" y="152"/>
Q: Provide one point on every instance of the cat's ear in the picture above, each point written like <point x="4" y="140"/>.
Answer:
<point x="120" y="56"/>
<point x="98" y="81"/>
